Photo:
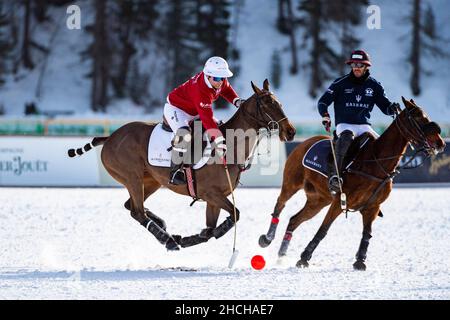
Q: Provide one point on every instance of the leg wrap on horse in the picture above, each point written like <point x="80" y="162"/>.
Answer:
<point x="204" y="236"/>
<point x="272" y="228"/>
<point x="361" y="255"/>
<point x="223" y="228"/>
<point x="161" y="235"/>
<point x="160" y="222"/>
<point x="285" y="243"/>
<point x="307" y="253"/>
<point x="266" y="239"/>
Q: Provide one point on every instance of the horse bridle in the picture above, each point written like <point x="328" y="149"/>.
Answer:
<point x="416" y="136"/>
<point x="262" y="118"/>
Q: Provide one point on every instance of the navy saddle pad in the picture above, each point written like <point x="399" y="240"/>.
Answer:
<point x="316" y="158"/>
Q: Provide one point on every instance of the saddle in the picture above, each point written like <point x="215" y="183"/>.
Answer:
<point x="320" y="159"/>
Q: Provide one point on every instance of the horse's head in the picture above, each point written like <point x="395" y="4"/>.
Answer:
<point x="416" y="126"/>
<point x="264" y="109"/>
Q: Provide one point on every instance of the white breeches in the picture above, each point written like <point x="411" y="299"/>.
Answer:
<point x="176" y="118"/>
<point x="357" y="129"/>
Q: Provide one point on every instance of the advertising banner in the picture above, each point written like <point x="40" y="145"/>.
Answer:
<point x="43" y="161"/>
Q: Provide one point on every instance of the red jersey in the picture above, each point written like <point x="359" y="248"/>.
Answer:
<point x="195" y="98"/>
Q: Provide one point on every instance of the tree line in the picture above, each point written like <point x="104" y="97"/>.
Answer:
<point x="140" y="49"/>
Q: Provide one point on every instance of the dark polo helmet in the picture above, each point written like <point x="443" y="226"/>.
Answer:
<point x="359" y="56"/>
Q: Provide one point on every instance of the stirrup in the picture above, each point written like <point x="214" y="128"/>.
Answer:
<point x="178" y="177"/>
<point x="333" y="183"/>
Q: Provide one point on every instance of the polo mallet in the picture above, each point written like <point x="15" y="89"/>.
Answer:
<point x="343" y="195"/>
<point x="235" y="252"/>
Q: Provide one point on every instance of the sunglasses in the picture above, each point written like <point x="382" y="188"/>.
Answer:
<point x="218" y="79"/>
<point x="357" y="65"/>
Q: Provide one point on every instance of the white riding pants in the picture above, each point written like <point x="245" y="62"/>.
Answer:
<point x="176" y="118"/>
<point x="357" y="129"/>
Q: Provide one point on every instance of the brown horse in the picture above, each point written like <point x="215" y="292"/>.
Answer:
<point x="125" y="155"/>
<point x="367" y="182"/>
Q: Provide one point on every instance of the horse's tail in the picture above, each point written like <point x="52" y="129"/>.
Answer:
<point x="97" y="141"/>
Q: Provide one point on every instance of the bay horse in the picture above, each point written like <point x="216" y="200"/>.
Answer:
<point x="125" y="157"/>
<point x="367" y="181"/>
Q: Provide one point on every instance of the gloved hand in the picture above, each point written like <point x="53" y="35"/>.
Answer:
<point x="238" y="102"/>
<point x="395" y="107"/>
<point x="219" y="146"/>
<point x="326" y="122"/>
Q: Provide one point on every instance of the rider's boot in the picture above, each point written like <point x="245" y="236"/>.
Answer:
<point x="342" y="144"/>
<point x="180" y="145"/>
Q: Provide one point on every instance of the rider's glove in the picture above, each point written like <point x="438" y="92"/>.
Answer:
<point x="238" y="102"/>
<point x="326" y="121"/>
<point x="395" y="108"/>
<point x="219" y="146"/>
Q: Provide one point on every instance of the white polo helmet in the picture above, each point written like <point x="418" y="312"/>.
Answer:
<point x="217" y="67"/>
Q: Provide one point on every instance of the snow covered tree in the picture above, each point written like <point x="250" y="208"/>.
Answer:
<point x="213" y="29"/>
<point x="276" y="70"/>
<point x="286" y="24"/>
<point x="5" y="43"/>
<point x="133" y="23"/>
<point x="101" y="58"/>
<point x="346" y="14"/>
<point x="323" y="59"/>
<point x="424" y="41"/>
<point x="320" y="17"/>
<point x="196" y="30"/>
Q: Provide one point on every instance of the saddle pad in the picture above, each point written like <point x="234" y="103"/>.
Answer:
<point x="159" y="142"/>
<point x="316" y="158"/>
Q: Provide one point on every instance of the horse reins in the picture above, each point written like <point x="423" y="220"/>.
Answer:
<point x="390" y="176"/>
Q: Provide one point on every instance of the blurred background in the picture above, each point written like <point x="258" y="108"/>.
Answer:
<point x="127" y="55"/>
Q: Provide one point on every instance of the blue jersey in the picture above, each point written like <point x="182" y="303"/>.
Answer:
<point x="354" y="99"/>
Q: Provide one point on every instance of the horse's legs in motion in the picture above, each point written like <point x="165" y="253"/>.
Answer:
<point x="221" y="201"/>
<point x="334" y="211"/>
<point x="287" y="191"/>
<point x="369" y="216"/>
<point x="150" y="186"/>
<point x="312" y="207"/>
<point x="135" y="187"/>
<point x="212" y="215"/>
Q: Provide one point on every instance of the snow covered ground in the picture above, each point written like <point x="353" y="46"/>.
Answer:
<point x="82" y="244"/>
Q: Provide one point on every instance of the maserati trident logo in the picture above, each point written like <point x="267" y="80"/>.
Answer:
<point x="358" y="98"/>
<point x="315" y="158"/>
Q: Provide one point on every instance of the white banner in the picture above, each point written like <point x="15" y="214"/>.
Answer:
<point x="43" y="161"/>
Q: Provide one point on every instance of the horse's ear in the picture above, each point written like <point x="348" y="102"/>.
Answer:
<point x="406" y="102"/>
<point x="266" y="85"/>
<point x="255" y="88"/>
